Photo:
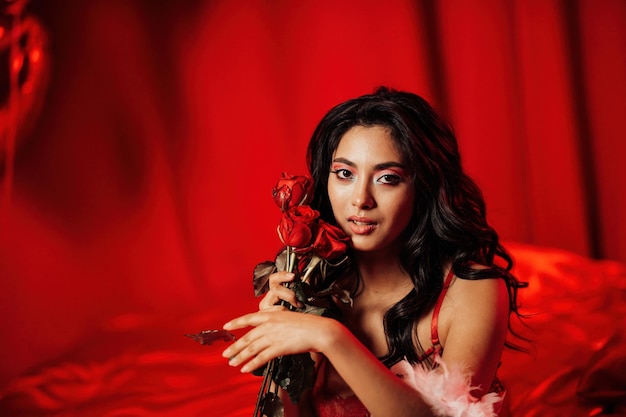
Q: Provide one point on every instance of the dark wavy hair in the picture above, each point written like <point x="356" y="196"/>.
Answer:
<point x="449" y="220"/>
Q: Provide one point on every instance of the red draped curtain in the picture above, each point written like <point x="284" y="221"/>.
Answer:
<point x="141" y="181"/>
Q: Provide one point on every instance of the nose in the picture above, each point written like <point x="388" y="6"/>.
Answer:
<point x="362" y="196"/>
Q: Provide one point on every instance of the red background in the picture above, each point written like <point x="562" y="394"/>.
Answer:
<point x="142" y="184"/>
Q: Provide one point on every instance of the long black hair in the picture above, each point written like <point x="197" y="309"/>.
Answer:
<point x="449" y="222"/>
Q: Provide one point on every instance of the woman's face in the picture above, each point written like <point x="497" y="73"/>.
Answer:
<point x="370" y="189"/>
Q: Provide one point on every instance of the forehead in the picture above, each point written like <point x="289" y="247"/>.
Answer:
<point x="375" y="142"/>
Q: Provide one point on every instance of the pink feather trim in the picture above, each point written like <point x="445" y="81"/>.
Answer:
<point x="447" y="390"/>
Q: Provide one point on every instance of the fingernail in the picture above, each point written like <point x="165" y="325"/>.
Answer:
<point x="226" y="353"/>
<point x="245" y="368"/>
<point x="227" y="326"/>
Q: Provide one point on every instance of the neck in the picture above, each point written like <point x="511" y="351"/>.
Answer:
<point x="381" y="272"/>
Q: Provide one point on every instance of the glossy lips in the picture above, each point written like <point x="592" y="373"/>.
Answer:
<point x="361" y="225"/>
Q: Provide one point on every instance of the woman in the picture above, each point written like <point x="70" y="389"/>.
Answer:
<point x="430" y="281"/>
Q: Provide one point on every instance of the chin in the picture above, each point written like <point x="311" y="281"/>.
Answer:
<point x="368" y="247"/>
<point x="364" y="246"/>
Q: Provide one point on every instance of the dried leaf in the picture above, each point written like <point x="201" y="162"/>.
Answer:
<point x="311" y="309"/>
<point x="298" y="287"/>
<point x="296" y="374"/>
<point x="335" y="291"/>
<point x="261" y="278"/>
<point x="272" y="406"/>
<point x="281" y="261"/>
<point x="207" y="337"/>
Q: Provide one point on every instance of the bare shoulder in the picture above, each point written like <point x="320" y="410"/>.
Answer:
<point x="480" y="301"/>
<point x="476" y="325"/>
<point x="472" y="308"/>
<point x="470" y="292"/>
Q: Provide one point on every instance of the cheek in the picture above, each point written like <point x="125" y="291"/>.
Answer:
<point x="334" y="197"/>
<point x="336" y="189"/>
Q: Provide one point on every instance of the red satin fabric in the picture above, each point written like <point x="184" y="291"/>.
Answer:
<point x="141" y="185"/>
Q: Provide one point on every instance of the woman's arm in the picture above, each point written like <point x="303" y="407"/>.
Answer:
<point x="475" y="318"/>
<point x="478" y="324"/>
<point x="278" y="333"/>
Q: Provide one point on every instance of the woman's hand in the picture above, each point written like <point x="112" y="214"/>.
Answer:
<point x="276" y="333"/>
<point x="279" y="292"/>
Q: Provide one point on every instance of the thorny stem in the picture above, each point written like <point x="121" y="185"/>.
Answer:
<point x="268" y="373"/>
<point x="265" y="388"/>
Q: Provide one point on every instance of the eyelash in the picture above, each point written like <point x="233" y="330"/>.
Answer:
<point x="339" y="171"/>
<point x="391" y="179"/>
<point x="346" y="174"/>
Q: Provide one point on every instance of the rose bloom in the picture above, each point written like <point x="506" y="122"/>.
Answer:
<point x="330" y="241"/>
<point x="292" y="190"/>
<point x="297" y="226"/>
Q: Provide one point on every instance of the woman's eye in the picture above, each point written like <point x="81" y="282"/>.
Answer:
<point x="342" y="173"/>
<point x="390" y="179"/>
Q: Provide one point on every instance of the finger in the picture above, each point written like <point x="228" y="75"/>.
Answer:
<point x="278" y="294"/>
<point x="279" y="278"/>
<point x="276" y="308"/>
<point x="271" y="304"/>
<point x="253" y="350"/>
<point x="243" y="349"/>
<point x="288" y="295"/>
<point x="258" y="360"/>
<point x="253" y="355"/>
<point x="247" y="320"/>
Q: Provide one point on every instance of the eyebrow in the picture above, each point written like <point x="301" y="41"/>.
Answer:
<point x="383" y="165"/>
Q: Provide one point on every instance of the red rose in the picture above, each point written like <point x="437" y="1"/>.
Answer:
<point x="297" y="226"/>
<point x="330" y="241"/>
<point x="292" y="190"/>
